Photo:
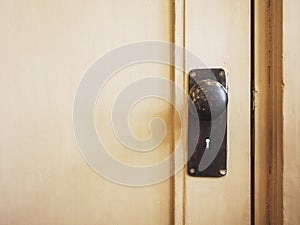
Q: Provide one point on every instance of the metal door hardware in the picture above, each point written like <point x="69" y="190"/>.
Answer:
<point x="208" y="92"/>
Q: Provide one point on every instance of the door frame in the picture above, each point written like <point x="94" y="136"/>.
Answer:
<point x="267" y="112"/>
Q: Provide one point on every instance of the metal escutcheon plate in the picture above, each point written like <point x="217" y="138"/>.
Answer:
<point x="208" y="91"/>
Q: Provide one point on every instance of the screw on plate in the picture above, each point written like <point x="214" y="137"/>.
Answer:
<point x="223" y="171"/>
<point x="193" y="74"/>
<point x="222" y="73"/>
<point x="192" y="170"/>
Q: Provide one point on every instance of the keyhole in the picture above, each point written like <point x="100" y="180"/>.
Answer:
<point x="207" y="140"/>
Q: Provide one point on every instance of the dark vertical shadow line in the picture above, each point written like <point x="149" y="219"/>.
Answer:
<point x="185" y="82"/>
<point x="252" y="65"/>
<point x="172" y="112"/>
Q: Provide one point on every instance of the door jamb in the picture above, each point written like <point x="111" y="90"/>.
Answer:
<point x="267" y="129"/>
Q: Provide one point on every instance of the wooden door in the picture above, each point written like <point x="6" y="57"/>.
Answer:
<point x="48" y="46"/>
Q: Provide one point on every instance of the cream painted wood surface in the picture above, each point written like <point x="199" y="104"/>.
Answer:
<point x="219" y="33"/>
<point x="291" y="112"/>
<point x="46" y="46"/>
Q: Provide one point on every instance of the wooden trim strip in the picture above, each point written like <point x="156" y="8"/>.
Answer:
<point x="268" y="116"/>
<point x="180" y="80"/>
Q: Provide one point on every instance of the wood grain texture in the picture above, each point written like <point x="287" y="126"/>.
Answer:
<point x="268" y="95"/>
<point x="262" y="120"/>
<point x="291" y="112"/>
<point x="46" y="46"/>
<point x="179" y="178"/>
<point x="219" y="33"/>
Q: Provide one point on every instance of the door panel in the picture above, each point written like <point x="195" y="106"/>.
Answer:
<point x="219" y="33"/>
<point x="291" y="113"/>
<point x="46" y="47"/>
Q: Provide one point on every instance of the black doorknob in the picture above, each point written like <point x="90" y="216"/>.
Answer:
<point x="210" y="99"/>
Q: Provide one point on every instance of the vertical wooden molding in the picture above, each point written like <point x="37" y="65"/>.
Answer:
<point x="268" y="94"/>
<point x="180" y="80"/>
<point x="276" y="72"/>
